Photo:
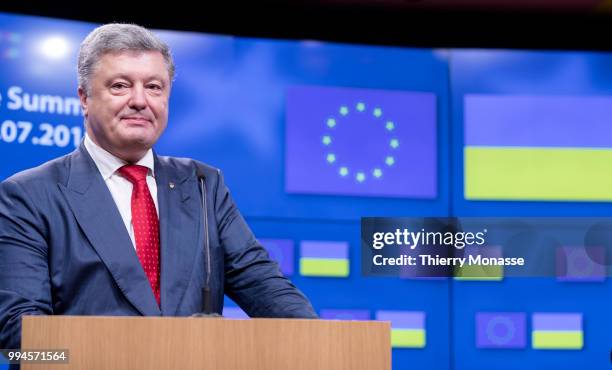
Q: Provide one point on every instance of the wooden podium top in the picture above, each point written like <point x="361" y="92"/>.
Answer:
<point x="97" y="342"/>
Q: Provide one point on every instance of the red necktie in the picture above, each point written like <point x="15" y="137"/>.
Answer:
<point x="145" y="223"/>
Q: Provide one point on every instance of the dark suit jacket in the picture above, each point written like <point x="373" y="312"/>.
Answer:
<point x="65" y="250"/>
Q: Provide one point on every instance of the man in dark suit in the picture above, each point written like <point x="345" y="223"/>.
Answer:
<point x="115" y="229"/>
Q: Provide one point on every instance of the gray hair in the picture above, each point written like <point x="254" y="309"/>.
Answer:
<point x="117" y="37"/>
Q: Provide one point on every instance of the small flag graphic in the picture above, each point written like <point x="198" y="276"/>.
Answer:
<point x="234" y="313"/>
<point x="324" y="258"/>
<point x="335" y="314"/>
<point x="407" y="328"/>
<point x="557" y="331"/>
<point x="480" y="271"/>
<point x="501" y="330"/>
<point x="281" y="251"/>
<point x="581" y="264"/>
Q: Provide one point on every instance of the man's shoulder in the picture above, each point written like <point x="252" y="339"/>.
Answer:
<point x="189" y="166"/>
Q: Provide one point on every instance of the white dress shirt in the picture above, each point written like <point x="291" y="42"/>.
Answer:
<point x="120" y="187"/>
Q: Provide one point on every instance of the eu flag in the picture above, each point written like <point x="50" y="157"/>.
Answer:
<point x="348" y="141"/>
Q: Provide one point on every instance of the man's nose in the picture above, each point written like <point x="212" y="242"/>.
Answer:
<point x="138" y="99"/>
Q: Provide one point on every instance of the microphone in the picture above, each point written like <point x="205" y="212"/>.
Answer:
<point x="206" y="294"/>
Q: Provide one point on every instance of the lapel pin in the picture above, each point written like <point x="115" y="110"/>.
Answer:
<point x="171" y="185"/>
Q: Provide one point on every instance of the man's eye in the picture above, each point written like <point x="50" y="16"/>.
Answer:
<point x="118" y="86"/>
<point x="154" y="87"/>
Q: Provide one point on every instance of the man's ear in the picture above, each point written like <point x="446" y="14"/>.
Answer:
<point x="83" y="98"/>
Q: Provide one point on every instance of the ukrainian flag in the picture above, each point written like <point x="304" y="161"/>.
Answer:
<point x="540" y="148"/>
<point x="557" y="331"/>
<point x="324" y="258"/>
<point x="480" y="272"/>
<point x="407" y="328"/>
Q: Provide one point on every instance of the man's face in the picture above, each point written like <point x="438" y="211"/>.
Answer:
<point x="127" y="108"/>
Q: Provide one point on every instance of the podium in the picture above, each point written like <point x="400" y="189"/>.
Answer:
<point x="101" y="342"/>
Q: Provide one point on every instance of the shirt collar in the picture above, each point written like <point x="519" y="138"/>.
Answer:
<point x="108" y="164"/>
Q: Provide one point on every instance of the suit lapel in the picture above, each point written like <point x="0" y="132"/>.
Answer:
<point x="180" y="230"/>
<point x="96" y="212"/>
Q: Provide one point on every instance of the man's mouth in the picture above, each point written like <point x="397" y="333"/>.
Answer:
<point x="136" y="120"/>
